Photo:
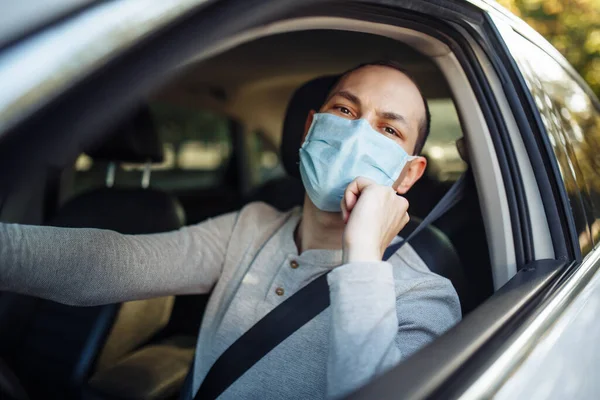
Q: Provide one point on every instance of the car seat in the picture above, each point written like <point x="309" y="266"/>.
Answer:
<point x="62" y="346"/>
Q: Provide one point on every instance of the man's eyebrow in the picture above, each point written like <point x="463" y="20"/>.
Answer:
<point x="347" y="95"/>
<point x="394" y="117"/>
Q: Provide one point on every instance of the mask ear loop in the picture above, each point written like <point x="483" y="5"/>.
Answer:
<point x="307" y="137"/>
<point x="315" y="120"/>
<point x="408" y="159"/>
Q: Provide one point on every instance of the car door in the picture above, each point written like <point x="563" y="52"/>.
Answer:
<point x="558" y="360"/>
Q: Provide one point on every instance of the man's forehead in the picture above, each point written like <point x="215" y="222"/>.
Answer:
<point x="378" y="79"/>
<point x="384" y="88"/>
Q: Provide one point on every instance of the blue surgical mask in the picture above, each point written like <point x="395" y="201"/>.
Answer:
<point x="338" y="150"/>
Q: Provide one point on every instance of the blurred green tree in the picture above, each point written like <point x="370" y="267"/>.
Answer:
<point x="572" y="26"/>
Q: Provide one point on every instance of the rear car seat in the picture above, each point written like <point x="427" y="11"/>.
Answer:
<point x="432" y="245"/>
<point x="62" y="346"/>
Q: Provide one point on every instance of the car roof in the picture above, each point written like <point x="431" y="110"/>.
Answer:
<point x="253" y="84"/>
<point x="23" y="17"/>
<point x="26" y="16"/>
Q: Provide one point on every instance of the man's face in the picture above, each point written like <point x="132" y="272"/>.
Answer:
<point x="383" y="96"/>
<point x="392" y="105"/>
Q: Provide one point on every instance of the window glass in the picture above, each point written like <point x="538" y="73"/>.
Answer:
<point x="264" y="159"/>
<point x="444" y="161"/>
<point x="573" y="125"/>
<point x="197" y="148"/>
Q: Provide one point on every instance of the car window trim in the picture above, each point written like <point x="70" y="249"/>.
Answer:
<point x="562" y="229"/>
<point x="521" y="225"/>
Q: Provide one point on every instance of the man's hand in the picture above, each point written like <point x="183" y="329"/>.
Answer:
<point x="374" y="214"/>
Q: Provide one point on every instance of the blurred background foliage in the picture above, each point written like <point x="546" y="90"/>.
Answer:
<point x="572" y="26"/>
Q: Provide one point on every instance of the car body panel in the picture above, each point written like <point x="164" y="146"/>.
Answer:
<point x="22" y="18"/>
<point x="564" y="360"/>
<point x="76" y="47"/>
<point x="537" y="330"/>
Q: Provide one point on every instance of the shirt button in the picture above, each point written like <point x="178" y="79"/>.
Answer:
<point x="294" y="264"/>
<point x="279" y="291"/>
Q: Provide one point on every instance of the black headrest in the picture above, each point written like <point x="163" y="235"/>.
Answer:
<point x="135" y="140"/>
<point x="309" y="96"/>
<point x="129" y="211"/>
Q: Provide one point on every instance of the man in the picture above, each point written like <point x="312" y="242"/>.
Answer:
<point x="354" y="166"/>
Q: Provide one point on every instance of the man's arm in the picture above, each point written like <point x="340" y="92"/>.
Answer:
<point x="93" y="266"/>
<point x="372" y="330"/>
<point x="372" y="327"/>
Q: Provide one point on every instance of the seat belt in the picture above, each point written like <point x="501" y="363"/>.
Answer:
<point x="449" y="200"/>
<point x="291" y="315"/>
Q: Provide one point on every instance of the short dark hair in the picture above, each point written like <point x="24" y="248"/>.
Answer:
<point x="425" y="123"/>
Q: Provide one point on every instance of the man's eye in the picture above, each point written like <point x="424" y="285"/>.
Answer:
<point x="389" y="130"/>
<point x="344" y="110"/>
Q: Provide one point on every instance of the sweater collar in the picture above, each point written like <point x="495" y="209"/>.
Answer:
<point x="315" y="257"/>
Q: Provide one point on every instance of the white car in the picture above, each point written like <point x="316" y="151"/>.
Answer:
<point x="219" y="81"/>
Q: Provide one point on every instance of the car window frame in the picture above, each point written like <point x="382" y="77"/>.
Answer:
<point x="505" y="309"/>
<point x="27" y="17"/>
<point x="544" y="163"/>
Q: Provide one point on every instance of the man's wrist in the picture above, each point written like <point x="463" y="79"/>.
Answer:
<point x="361" y="253"/>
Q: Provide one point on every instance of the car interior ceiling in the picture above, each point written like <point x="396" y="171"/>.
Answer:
<point x="251" y="86"/>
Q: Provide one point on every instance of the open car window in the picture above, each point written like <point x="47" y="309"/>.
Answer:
<point x="444" y="160"/>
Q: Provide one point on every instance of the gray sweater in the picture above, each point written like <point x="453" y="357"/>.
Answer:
<point x="380" y="312"/>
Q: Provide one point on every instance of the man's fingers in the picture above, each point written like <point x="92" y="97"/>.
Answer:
<point x="359" y="184"/>
<point x="405" y="219"/>
<point x="350" y="199"/>
<point x="354" y="189"/>
<point x="345" y="213"/>
<point x="402" y="203"/>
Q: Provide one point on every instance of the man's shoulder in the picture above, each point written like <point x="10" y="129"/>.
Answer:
<point x="258" y="215"/>
<point x="262" y="211"/>
<point x="415" y="282"/>
<point x="410" y="271"/>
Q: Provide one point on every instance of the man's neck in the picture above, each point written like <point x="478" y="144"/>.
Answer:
<point x="318" y="229"/>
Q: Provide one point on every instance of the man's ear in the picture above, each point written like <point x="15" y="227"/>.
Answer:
<point x="307" y="124"/>
<point x="413" y="171"/>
